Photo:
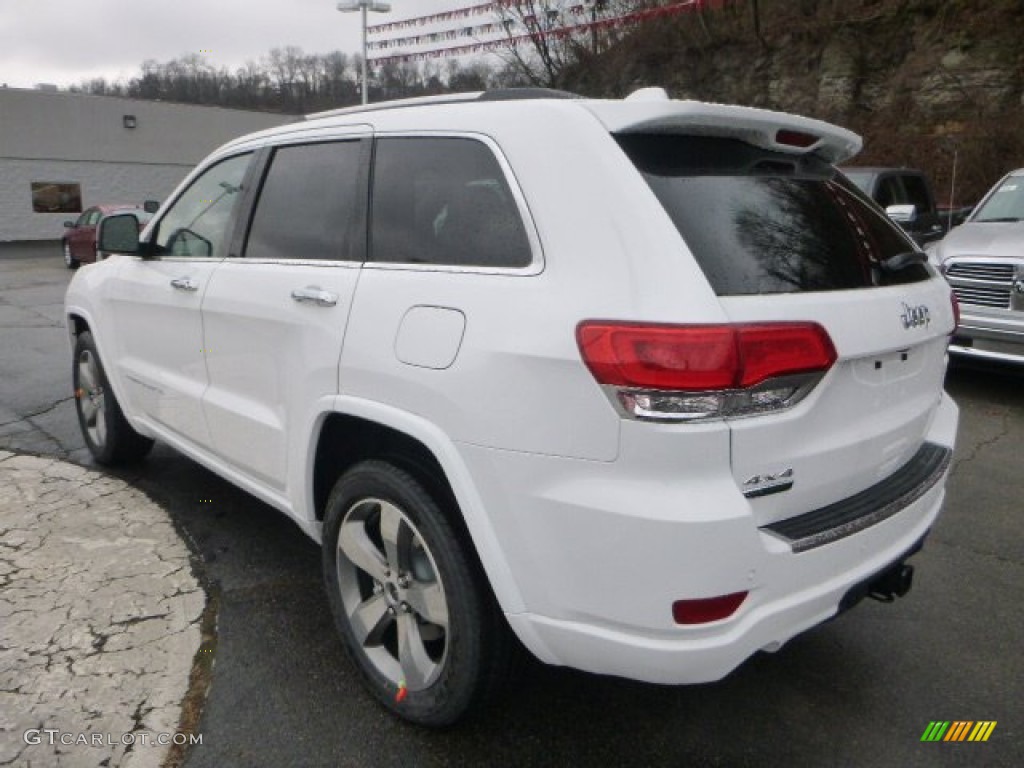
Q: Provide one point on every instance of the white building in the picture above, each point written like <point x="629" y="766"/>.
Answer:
<point x="61" y="153"/>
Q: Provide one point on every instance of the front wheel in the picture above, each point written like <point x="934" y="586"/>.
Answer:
<point x="414" y="615"/>
<point x="69" y="261"/>
<point x="108" y="435"/>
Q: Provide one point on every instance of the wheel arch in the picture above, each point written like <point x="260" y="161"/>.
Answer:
<point x="79" y="320"/>
<point x="357" y="430"/>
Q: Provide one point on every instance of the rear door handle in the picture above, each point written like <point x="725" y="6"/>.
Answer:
<point x="313" y="294"/>
<point x="185" y="284"/>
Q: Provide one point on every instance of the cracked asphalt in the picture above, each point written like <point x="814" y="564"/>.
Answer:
<point x="99" y="618"/>
<point x="859" y="690"/>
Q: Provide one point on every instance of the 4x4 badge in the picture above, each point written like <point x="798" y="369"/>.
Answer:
<point x="915" y="317"/>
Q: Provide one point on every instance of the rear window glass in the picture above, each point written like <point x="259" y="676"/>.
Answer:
<point x="765" y="222"/>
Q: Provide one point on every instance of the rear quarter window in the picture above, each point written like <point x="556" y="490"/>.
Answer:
<point x="765" y="222"/>
<point x="444" y="201"/>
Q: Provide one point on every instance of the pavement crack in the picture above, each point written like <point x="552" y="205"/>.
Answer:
<point x="1004" y="431"/>
<point x="138" y="721"/>
<point x="41" y="412"/>
<point x="139" y="619"/>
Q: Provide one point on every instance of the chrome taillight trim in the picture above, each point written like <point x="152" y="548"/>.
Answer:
<point x="629" y="402"/>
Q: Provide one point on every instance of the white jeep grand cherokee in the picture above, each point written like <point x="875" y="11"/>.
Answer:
<point x="645" y="384"/>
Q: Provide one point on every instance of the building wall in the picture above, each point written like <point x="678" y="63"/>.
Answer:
<point x="74" y="138"/>
<point x="105" y="182"/>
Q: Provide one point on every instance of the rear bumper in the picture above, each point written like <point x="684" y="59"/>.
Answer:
<point x="599" y="571"/>
<point x="796" y="593"/>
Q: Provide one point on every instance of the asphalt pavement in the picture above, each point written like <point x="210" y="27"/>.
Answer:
<point x="858" y="691"/>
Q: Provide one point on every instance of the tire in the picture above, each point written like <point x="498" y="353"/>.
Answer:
<point x="414" y="612"/>
<point x="108" y="435"/>
<point x="69" y="261"/>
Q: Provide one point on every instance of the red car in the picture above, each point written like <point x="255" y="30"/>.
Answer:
<point x="79" y="241"/>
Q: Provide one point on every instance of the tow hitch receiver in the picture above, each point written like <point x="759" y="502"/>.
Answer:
<point x="893" y="583"/>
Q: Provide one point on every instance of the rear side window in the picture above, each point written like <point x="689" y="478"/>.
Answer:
<point x="308" y="203"/>
<point x="766" y="222"/>
<point x="444" y="201"/>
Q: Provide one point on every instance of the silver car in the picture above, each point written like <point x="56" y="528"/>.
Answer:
<point x="983" y="259"/>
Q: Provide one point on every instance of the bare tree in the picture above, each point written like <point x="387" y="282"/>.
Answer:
<point x="544" y="37"/>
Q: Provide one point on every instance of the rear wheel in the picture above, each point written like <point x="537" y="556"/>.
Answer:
<point x="414" y="616"/>
<point x="108" y="435"/>
<point x="69" y="261"/>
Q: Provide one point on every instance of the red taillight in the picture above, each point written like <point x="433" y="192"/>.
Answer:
<point x="796" y="138"/>
<point x="956" y="310"/>
<point x="665" y="357"/>
<point x="692" y="358"/>
<point x="707" y="609"/>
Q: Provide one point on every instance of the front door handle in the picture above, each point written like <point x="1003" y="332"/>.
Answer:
<point x="185" y="284"/>
<point x="313" y="294"/>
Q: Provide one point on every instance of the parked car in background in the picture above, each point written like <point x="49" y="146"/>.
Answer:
<point x="79" y="242"/>
<point x="906" y="195"/>
<point x="983" y="259"/>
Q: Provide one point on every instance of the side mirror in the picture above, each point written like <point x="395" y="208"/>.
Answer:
<point x="151" y="206"/>
<point x="68" y="224"/>
<point x="902" y="214"/>
<point x="118" y="234"/>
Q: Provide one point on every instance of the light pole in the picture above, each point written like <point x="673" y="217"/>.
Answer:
<point x="347" y="6"/>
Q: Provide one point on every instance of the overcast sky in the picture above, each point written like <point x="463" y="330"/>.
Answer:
<point x="68" y="41"/>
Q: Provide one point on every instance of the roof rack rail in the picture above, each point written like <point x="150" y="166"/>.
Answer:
<point x="499" y="94"/>
<point x="519" y="94"/>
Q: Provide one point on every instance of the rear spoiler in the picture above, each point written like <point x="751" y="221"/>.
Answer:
<point x="777" y="131"/>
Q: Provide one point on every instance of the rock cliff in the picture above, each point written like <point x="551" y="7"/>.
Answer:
<point x="922" y="80"/>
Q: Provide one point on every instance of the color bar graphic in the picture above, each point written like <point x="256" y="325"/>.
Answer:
<point x="958" y="730"/>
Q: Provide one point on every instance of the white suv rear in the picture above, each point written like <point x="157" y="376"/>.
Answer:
<point x="647" y="382"/>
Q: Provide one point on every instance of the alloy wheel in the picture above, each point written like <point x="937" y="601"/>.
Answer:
<point x="91" y="398"/>
<point x="392" y="594"/>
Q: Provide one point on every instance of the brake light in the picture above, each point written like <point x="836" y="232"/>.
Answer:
<point x="660" y="357"/>
<point x="685" y="372"/>
<point x="795" y="138"/>
<point x="956" y="310"/>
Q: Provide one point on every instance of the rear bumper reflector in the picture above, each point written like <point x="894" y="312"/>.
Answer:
<point x="873" y="505"/>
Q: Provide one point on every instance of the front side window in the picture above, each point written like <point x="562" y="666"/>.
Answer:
<point x="198" y="224"/>
<point x="444" y="201"/>
<point x="765" y="222"/>
<point x="307" y="205"/>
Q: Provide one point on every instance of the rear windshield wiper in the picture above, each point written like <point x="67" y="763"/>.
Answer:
<point x="903" y="260"/>
<point x="1000" y="220"/>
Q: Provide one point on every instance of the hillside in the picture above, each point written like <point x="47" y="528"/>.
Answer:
<point x="919" y="79"/>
